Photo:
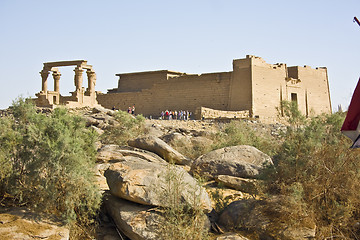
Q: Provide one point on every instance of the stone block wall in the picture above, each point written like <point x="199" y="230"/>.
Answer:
<point x="268" y="81"/>
<point x="137" y="81"/>
<point x="240" y="89"/>
<point x="316" y="84"/>
<point x="208" y="113"/>
<point x="186" y="92"/>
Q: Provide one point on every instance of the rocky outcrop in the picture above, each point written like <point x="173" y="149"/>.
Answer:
<point x="238" y="161"/>
<point x="159" y="147"/>
<point x="98" y="118"/>
<point x="140" y="182"/>
<point x="20" y="223"/>
<point x="153" y="184"/>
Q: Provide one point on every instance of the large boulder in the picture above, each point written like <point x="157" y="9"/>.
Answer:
<point x="180" y="140"/>
<point x="137" y="222"/>
<point x="110" y="154"/>
<point x="155" y="184"/>
<point x="20" y="223"/>
<point x="267" y="219"/>
<point x="175" y="138"/>
<point x="118" y="153"/>
<point x="238" y="161"/>
<point x="158" y="146"/>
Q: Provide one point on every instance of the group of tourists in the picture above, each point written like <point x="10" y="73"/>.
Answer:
<point x="131" y="110"/>
<point x="176" y="115"/>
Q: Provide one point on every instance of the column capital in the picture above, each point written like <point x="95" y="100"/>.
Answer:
<point x="91" y="74"/>
<point x="56" y="75"/>
<point x="78" y="70"/>
<point x="44" y="73"/>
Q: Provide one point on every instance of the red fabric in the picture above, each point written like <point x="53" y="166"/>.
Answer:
<point x="353" y="115"/>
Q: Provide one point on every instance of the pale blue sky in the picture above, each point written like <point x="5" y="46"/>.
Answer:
<point x="188" y="36"/>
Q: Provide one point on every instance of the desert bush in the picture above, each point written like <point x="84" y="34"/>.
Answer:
<point x="48" y="163"/>
<point x="180" y="220"/>
<point x="290" y="112"/>
<point x="128" y="127"/>
<point x="319" y="174"/>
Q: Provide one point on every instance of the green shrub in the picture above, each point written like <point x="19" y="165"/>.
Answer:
<point x="49" y="162"/>
<point x="128" y="127"/>
<point x="290" y="112"/>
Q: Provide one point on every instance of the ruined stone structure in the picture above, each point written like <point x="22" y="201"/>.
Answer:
<point x="79" y="98"/>
<point x="253" y="89"/>
<point x="253" y="86"/>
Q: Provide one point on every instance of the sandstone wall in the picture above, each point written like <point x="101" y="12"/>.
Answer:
<point x="186" y="92"/>
<point x="315" y="83"/>
<point x="268" y="81"/>
<point x="240" y="91"/>
<point x="138" y="81"/>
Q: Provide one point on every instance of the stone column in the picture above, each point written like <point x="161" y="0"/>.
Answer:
<point x="91" y="81"/>
<point x="78" y="78"/>
<point x="56" y="76"/>
<point x="44" y="75"/>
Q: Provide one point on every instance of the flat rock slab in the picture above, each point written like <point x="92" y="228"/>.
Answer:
<point x="140" y="153"/>
<point x="161" y="148"/>
<point x="137" y="222"/>
<point x="114" y="152"/>
<point x="238" y="161"/>
<point x="20" y="223"/>
<point x="242" y="184"/>
<point x="155" y="184"/>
